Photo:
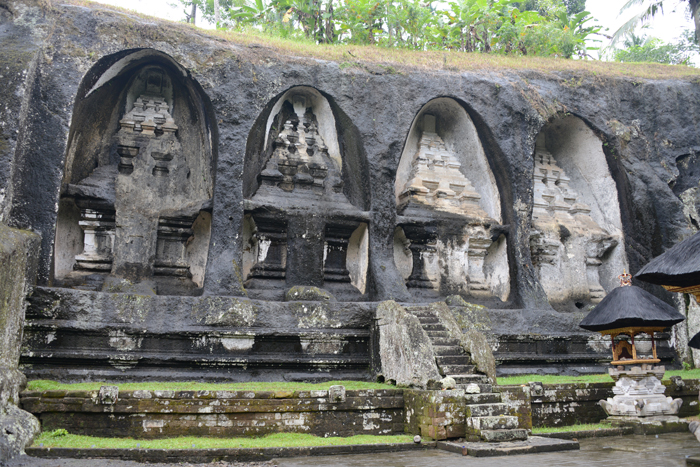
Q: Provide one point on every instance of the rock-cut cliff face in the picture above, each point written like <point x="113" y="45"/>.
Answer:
<point x="156" y="159"/>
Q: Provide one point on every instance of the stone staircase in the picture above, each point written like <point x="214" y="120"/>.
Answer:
<point x="487" y="416"/>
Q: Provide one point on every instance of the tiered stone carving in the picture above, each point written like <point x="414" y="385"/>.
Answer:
<point x="566" y="244"/>
<point x="436" y="185"/>
<point x="640" y="393"/>
<point x="300" y="159"/>
<point x="300" y="171"/>
<point x="436" y="181"/>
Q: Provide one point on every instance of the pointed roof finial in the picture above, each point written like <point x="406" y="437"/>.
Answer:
<point x="625" y="279"/>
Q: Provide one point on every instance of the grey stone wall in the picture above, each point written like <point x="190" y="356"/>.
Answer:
<point x="57" y="52"/>
<point x="18" y="259"/>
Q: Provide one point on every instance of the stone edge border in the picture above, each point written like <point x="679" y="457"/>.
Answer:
<point x="600" y="433"/>
<point x="229" y="455"/>
<point x="533" y="445"/>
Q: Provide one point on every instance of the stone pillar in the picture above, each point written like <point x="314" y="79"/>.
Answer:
<point x="174" y="233"/>
<point x="98" y="240"/>
<point x="336" y="251"/>
<point x="423" y="240"/>
<point x="305" y="251"/>
<point x="270" y="269"/>
<point x="479" y="242"/>
<point x="134" y="245"/>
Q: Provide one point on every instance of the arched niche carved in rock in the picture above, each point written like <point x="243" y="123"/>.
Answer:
<point x="576" y="243"/>
<point x="136" y="197"/>
<point x="448" y="239"/>
<point x="306" y="189"/>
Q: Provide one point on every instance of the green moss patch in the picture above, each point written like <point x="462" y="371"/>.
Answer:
<point x="62" y="439"/>
<point x="46" y="385"/>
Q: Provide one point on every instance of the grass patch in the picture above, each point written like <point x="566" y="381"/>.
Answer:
<point x="47" y="385"/>
<point x="562" y="429"/>
<point x="61" y="439"/>
<point x="599" y="378"/>
<point x="398" y="59"/>
<point x="554" y="379"/>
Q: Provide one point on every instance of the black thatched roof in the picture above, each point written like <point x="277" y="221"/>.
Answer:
<point x="695" y="341"/>
<point x="679" y="266"/>
<point x="630" y="306"/>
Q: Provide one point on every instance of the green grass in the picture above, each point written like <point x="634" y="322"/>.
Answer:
<point x="600" y="378"/>
<point x="560" y="429"/>
<point x="61" y="439"/>
<point x="46" y="385"/>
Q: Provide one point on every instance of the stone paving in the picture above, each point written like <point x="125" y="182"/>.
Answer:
<point x="667" y="450"/>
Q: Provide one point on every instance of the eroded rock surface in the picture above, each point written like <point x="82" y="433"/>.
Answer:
<point x="404" y="348"/>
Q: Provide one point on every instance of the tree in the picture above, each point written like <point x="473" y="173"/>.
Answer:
<point x="653" y="7"/>
<point x="651" y="49"/>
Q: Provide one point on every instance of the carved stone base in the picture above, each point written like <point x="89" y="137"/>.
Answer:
<point x="639" y="393"/>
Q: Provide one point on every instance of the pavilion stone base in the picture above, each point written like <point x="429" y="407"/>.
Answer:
<point x="639" y="393"/>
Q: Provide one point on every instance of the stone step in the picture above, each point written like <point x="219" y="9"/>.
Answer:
<point x="445" y="341"/>
<point x="452" y="360"/>
<point x="443" y="334"/>
<point x="478" y="425"/>
<point x="466" y="378"/>
<point x="483" y="387"/>
<point x="483" y="398"/>
<point x="486" y="410"/>
<point x="496" y="436"/>
<point x="457" y="369"/>
<point x="428" y="319"/>
<point x="433" y="327"/>
<point x="447" y="350"/>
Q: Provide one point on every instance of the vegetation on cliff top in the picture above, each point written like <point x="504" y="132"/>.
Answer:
<point x="383" y="60"/>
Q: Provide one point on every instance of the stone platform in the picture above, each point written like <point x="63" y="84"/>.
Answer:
<point x="166" y="414"/>
<point x="76" y="335"/>
<point x="532" y="445"/>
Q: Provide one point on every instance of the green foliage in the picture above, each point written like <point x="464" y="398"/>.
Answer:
<point x="650" y="49"/>
<point x="65" y="440"/>
<point x="46" y="385"/>
<point x="535" y="27"/>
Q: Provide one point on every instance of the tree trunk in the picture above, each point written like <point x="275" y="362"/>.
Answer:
<point x="217" y="14"/>
<point x="193" y="14"/>
<point x="694" y="6"/>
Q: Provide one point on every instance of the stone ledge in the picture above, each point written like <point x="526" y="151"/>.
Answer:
<point x="228" y="455"/>
<point x="600" y="433"/>
<point x="533" y="445"/>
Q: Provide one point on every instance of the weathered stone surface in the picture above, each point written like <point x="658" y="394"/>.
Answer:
<point x="308" y="294"/>
<point x="18" y="259"/>
<point x="151" y="414"/>
<point x="57" y="56"/>
<point x="476" y="345"/>
<point x="405" y="349"/>
<point x="220" y="338"/>
<point x="435" y="414"/>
